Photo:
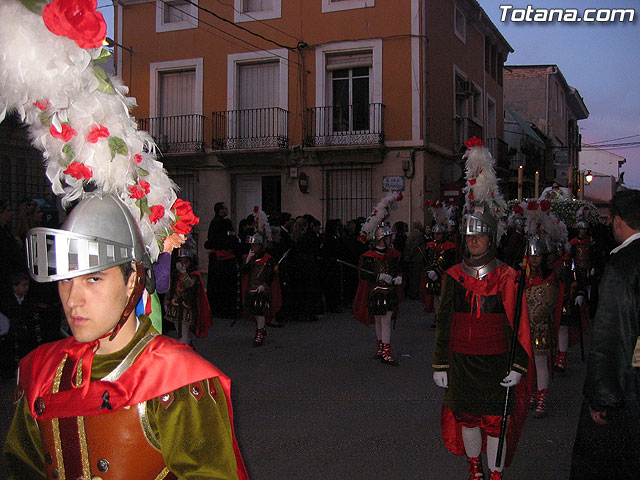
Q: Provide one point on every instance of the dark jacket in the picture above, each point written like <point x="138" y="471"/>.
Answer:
<point x="611" y="382"/>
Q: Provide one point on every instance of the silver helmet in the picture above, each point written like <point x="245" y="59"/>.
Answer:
<point x="439" y="228"/>
<point x="256" y="238"/>
<point x="581" y="224"/>
<point x="536" y="246"/>
<point x="99" y="233"/>
<point x="383" y="230"/>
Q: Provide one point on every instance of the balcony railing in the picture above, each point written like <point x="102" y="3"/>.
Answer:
<point x="345" y="125"/>
<point x="499" y="149"/>
<point x="464" y="128"/>
<point x="177" y="134"/>
<point x="251" y="128"/>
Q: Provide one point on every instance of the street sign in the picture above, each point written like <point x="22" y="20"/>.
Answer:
<point x="393" y="183"/>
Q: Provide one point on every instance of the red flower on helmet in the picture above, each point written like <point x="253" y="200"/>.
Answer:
<point x="400" y="196"/>
<point x="65" y="135"/>
<point x="77" y="20"/>
<point x="97" y="132"/>
<point x="79" y="171"/>
<point x="184" y="216"/>
<point x="473" y="142"/>
<point x="472" y="181"/>
<point x="532" y="205"/>
<point x="42" y="105"/>
<point x="138" y="157"/>
<point x="157" y="212"/>
<point x="518" y="210"/>
<point x="256" y="208"/>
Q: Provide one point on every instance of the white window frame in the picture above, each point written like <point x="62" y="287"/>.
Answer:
<point x="190" y="22"/>
<point x="490" y="99"/>
<point x="154" y="82"/>
<point x="461" y="33"/>
<point x="333" y="6"/>
<point x="238" y="16"/>
<point x="322" y="78"/>
<point x="234" y="60"/>
<point x="479" y="119"/>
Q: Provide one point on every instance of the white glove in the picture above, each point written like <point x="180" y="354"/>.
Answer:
<point x="512" y="379"/>
<point x="249" y="256"/>
<point x="180" y="267"/>
<point x="397" y="281"/>
<point x="386" y="278"/>
<point x="593" y="271"/>
<point x="260" y="288"/>
<point x="432" y="275"/>
<point x="579" y="300"/>
<point x="441" y="379"/>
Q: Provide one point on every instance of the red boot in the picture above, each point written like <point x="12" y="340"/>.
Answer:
<point x="541" y="406"/>
<point x="560" y="365"/>
<point x="378" y="354"/>
<point x="475" y="468"/>
<point x="259" y="338"/>
<point x="386" y="355"/>
<point x="533" y="401"/>
<point x="495" y="475"/>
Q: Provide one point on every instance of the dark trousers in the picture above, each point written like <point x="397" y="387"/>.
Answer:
<point x="607" y="452"/>
<point x="223" y="287"/>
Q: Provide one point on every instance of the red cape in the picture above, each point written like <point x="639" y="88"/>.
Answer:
<point x="360" y="311"/>
<point x="500" y="280"/>
<point x="204" y="309"/>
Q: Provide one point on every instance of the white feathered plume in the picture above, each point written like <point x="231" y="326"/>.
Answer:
<point x="442" y="212"/>
<point x="79" y="117"/>
<point x="379" y="214"/>
<point x="262" y="223"/>
<point x="482" y="191"/>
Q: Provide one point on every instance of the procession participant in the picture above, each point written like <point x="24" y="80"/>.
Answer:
<point x="474" y="329"/>
<point x="607" y="443"/>
<point x="186" y="302"/>
<point x="515" y="241"/>
<point x="73" y="417"/>
<point x="260" y="287"/>
<point x="577" y="273"/>
<point x="376" y="299"/>
<point x="223" y="276"/>
<point x="71" y="391"/>
<point x="441" y="255"/>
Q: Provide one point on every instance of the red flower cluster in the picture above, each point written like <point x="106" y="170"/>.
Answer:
<point x="79" y="171"/>
<point x="472" y="181"/>
<point x="473" y="142"/>
<point x="517" y="209"/>
<point x="400" y="196"/>
<point x="42" y="105"/>
<point x="184" y="216"/>
<point x="545" y="205"/>
<point x="139" y="189"/>
<point x="138" y="158"/>
<point x="77" y="20"/>
<point x="66" y="134"/>
<point x="157" y="212"/>
<point x="97" y="132"/>
<point x="256" y="208"/>
<point x="533" y="205"/>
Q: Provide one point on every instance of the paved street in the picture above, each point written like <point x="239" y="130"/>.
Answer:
<point x="312" y="404"/>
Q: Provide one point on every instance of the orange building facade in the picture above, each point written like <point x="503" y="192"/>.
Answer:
<point x="313" y="107"/>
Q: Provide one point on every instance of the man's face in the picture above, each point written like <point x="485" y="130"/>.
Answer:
<point x="5" y="216"/>
<point x="438" y="237"/>
<point x="477" y="245"/>
<point x="535" y="260"/>
<point x="93" y="303"/>
<point x="582" y="233"/>
<point x="22" y="288"/>
<point x="224" y="211"/>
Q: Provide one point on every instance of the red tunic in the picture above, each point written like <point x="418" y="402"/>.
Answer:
<point x="276" y="292"/>
<point x="426" y="299"/>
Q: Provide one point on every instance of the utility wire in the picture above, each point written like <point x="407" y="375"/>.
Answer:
<point x="236" y="25"/>
<point x="258" y="20"/>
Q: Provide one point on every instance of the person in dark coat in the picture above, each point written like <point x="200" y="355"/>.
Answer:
<point x="11" y="254"/>
<point x="333" y="249"/>
<point x="607" y="443"/>
<point x="223" y="281"/>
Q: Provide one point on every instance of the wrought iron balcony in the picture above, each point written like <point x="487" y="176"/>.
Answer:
<point x="463" y="129"/>
<point x="345" y="125"/>
<point x="250" y="128"/>
<point x="176" y="134"/>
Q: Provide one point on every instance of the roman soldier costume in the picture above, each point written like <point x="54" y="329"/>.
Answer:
<point x="377" y="296"/>
<point x="474" y="334"/>
<point x="441" y="255"/>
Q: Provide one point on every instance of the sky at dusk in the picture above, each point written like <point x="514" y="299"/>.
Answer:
<point x="601" y="60"/>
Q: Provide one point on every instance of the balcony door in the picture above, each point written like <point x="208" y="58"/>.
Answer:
<point x="257" y="117"/>
<point x="177" y="122"/>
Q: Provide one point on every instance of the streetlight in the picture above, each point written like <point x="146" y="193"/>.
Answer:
<point x="110" y="42"/>
<point x="589" y="177"/>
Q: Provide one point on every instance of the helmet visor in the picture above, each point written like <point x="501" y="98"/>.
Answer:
<point x="54" y="254"/>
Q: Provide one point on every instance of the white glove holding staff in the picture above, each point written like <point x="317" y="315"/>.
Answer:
<point x="397" y="281"/>
<point x="441" y="379"/>
<point x="432" y="275"/>
<point x="512" y="379"/>
<point x="386" y="278"/>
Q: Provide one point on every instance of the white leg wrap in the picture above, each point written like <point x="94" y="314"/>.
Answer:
<point x="385" y="327"/>
<point x="492" y="451"/>
<point x="378" y="320"/>
<point x="542" y="371"/>
<point x="260" y="321"/>
<point x="563" y="338"/>
<point x="472" y="439"/>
